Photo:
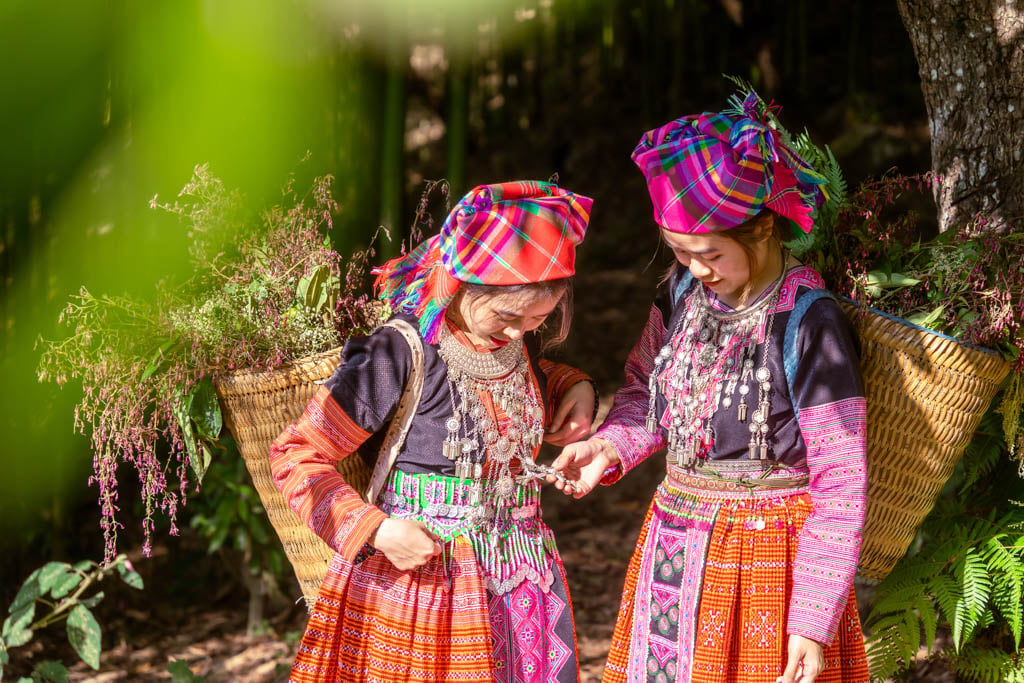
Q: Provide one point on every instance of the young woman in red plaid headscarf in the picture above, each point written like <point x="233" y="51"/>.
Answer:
<point x="748" y="376"/>
<point x="449" y="573"/>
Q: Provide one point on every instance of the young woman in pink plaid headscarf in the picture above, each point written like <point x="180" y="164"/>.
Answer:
<point x="747" y="375"/>
<point x="449" y="572"/>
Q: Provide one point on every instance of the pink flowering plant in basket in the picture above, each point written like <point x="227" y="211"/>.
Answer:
<point x="263" y="292"/>
<point x="967" y="282"/>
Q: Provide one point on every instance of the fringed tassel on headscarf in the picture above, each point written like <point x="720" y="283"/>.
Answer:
<point x="418" y="283"/>
<point x="436" y="296"/>
<point x="400" y="280"/>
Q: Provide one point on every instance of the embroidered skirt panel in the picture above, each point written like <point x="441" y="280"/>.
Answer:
<point x="708" y="588"/>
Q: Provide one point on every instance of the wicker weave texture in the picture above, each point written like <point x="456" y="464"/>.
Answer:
<point x="926" y="395"/>
<point x="257" y="408"/>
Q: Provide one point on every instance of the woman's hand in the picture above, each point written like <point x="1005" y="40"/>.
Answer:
<point x="406" y="542"/>
<point x="806" y="659"/>
<point x="574" y="416"/>
<point x="583" y="463"/>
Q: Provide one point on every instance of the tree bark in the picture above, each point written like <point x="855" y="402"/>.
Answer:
<point x="970" y="55"/>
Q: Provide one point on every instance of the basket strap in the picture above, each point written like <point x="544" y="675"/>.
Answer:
<point x="684" y="284"/>
<point x="407" y="405"/>
<point x="790" y="357"/>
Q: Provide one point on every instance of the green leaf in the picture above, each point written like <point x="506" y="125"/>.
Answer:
<point x="30" y="590"/>
<point x="181" y="673"/>
<point x="182" y="408"/>
<point x="94" y="600"/>
<point x="129" y="575"/>
<point x="52" y="573"/>
<point x="928" y="320"/>
<point x="205" y="411"/>
<point x="50" y="671"/>
<point x="258" y="530"/>
<point x="312" y="288"/>
<point x="84" y="635"/>
<point x="156" y="360"/>
<point x="929" y="619"/>
<point x="878" y="278"/>
<point x="16" y="631"/>
<point x="67" y="583"/>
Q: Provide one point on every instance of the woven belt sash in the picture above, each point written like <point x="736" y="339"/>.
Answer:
<point x="515" y="545"/>
<point x="740" y="475"/>
<point x="698" y="496"/>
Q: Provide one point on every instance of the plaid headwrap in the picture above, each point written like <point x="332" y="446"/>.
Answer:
<point x="511" y="233"/>
<point x="713" y="171"/>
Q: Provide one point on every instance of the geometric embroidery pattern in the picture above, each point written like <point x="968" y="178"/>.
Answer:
<point x="518" y="620"/>
<point x="664" y="611"/>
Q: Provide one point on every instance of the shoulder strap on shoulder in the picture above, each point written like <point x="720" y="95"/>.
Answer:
<point x="684" y="284"/>
<point x="407" y="405"/>
<point x="790" y="355"/>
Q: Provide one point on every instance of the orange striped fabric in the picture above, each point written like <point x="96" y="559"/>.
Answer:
<point x="741" y="624"/>
<point x="322" y="437"/>
<point x="377" y="624"/>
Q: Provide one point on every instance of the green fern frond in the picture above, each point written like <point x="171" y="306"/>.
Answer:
<point x="976" y="585"/>
<point x="896" y="599"/>
<point x="986" y="665"/>
<point x="886" y="655"/>
<point x="929" y="615"/>
<point x="802" y="244"/>
<point x="909" y="630"/>
<point x="947" y="594"/>
<point x="983" y="454"/>
<point x="1005" y="562"/>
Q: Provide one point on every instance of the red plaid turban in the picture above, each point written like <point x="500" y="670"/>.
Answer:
<point x="505" y="234"/>
<point x="713" y="171"/>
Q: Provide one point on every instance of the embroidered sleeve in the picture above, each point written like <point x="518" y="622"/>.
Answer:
<point x="560" y="378"/>
<point x="354" y="403"/>
<point x="833" y="422"/>
<point x="625" y="427"/>
<point x="303" y="461"/>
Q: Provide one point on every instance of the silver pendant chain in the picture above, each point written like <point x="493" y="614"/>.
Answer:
<point x="474" y="438"/>
<point x="714" y="360"/>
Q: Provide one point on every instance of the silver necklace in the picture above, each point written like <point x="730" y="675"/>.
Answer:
<point x="714" y="359"/>
<point x="475" y="442"/>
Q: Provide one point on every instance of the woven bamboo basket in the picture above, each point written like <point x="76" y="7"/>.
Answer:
<point x="926" y="394"/>
<point x="257" y="407"/>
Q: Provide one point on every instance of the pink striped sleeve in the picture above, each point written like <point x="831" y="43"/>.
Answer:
<point x="625" y="426"/>
<point x="829" y="545"/>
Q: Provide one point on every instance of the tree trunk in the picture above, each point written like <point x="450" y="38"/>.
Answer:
<point x="970" y="55"/>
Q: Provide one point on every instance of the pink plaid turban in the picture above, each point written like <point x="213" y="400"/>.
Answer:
<point x="511" y="233"/>
<point x="713" y="171"/>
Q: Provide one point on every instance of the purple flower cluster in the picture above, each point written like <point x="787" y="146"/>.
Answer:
<point x="265" y="292"/>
